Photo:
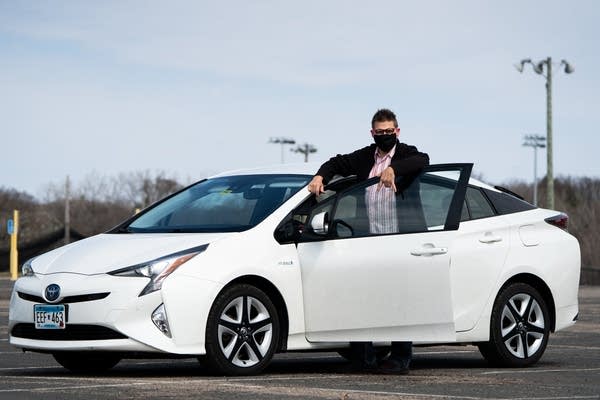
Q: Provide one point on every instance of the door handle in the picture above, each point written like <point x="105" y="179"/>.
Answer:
<point x="429" y="251"/>
<point x="490" y="238"/>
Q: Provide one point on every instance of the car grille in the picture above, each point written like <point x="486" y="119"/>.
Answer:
<point x="69" y="299"/>
<point x="71" y="332"/>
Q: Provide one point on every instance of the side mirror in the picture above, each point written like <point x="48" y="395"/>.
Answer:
<point x="320" y="223"/>
<point x="288" y="230"/>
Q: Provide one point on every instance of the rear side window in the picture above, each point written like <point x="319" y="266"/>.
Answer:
<point x="478" y="205"/>
<point x="507" y="204"/>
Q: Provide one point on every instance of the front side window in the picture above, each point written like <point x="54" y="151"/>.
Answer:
<point x="421" y="204"/>
<point x="224" y="204"/>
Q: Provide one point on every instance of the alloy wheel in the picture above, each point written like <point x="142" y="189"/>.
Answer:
<point x="245" y="331"/>
<point x="522" y="325"/>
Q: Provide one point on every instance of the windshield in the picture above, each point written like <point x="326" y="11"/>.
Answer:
<point x="226" y="204"/>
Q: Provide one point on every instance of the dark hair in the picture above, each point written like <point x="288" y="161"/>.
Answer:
<point x="384" y="115"/>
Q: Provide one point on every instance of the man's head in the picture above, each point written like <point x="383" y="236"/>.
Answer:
<point x="384" y="115"/>
<point x="384" y="129"/>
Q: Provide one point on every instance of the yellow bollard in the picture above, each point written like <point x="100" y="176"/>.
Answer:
<point x="14" y="254"/>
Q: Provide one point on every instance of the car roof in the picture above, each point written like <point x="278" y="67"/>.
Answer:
<point x="310" y="169"/>
<point x="286" y="169"/>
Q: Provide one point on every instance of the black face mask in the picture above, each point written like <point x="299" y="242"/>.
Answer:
<point x="385" y="142"/>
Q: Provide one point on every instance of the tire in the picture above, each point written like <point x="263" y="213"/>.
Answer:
<point x="87" y="362"/>
<point x="242" y="332"/>
<point x="380" y="353"/>
<point x="519" y="327"/>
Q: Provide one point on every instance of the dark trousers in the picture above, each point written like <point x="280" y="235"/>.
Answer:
<point x="364" y="352"/>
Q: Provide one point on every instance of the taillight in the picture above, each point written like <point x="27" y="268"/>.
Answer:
<point x="561" y="221"/>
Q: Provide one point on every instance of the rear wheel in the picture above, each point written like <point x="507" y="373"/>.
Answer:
<point x="519" y="328"/>
<point x="242" y="331"/>
<point x="87" y="362"/>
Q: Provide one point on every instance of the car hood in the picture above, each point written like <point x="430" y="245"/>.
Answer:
<point x="107" y="252"/>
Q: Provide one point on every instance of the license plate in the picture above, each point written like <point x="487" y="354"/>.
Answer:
<point x="49" y="316"/>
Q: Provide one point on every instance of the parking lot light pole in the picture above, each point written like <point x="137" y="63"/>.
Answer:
<point x="536" y="142"/>
<point x="282" y="141"/>
<point x="539" y="69"/>
<point x="305" y="149"/>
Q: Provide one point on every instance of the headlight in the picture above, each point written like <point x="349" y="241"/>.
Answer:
<point x="157" y="270"/>
<point x="27" y="269"/>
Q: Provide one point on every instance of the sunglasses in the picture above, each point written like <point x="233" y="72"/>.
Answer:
<point x="383" y="131"/>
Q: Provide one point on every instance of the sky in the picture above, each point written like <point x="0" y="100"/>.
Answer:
<point x="194" y="88"/>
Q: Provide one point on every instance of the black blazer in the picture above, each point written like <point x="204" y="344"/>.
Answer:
<point x="407" y="160"/>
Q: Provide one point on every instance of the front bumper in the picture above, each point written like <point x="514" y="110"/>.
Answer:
<point x="120" y="321"/>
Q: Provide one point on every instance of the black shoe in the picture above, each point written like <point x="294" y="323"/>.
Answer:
<point x="393" y="367"/>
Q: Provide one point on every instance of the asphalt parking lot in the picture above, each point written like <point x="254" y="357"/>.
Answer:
<point x="570" y="369"/>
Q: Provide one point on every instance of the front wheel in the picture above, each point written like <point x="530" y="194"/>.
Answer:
<point x="242" y="331"/>
<point x="519" y="327"/>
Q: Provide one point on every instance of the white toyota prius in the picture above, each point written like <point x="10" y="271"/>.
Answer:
<point x="242" y="265"/>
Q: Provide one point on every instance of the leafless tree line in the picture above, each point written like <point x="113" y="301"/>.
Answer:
<point x="97" y="203"/>
<point x="134" y="189"/>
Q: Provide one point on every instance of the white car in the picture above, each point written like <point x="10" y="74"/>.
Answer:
<point x="243" y="265"/>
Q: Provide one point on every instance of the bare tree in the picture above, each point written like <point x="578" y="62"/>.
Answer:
<point x="100" y="202"/>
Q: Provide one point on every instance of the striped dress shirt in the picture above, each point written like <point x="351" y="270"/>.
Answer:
<point x="381" y="204"/>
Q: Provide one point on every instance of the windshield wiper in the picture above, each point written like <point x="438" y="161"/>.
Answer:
<point x="124" y="230"/>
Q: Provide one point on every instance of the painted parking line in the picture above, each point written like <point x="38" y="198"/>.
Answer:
<point x="77" y="387"/>
<point x="207" y="379"/>
<point x="344" y="392"/>
<point x="306" y="357"/>
<point x="538" y="371"/>
<point x="445" y="396"/>
<point x="565" y="346"/>
<point x="239" y="383"/>
<point x="230" y="383"/>
<point x="287" y="378"/>
<point x="24" y="368"/>
<point x="594" y="396"/>
<point x="85" y="379"/>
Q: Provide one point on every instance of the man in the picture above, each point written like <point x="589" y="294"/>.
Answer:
<point x="386" y="158"/>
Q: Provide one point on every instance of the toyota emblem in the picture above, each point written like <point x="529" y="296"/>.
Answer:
<point x="52" y="292"/>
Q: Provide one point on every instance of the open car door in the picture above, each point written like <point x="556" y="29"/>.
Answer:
<point x="364" y="283"/>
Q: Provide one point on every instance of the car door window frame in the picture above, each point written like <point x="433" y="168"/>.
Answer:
<point x="294" y="224"/>
<point x="452" y="218"/>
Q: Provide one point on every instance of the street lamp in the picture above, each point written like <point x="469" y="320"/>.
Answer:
<point x="282" y="141"/>
<point x="305" y="149"/>
<point x="536" y="142"/>
<point x="539" y="68"/>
